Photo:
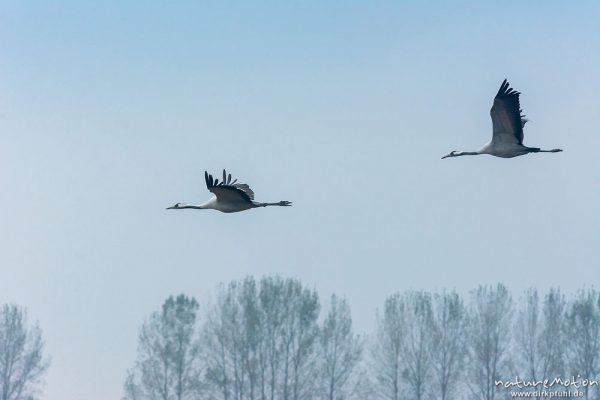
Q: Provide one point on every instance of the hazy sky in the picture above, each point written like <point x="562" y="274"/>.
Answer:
<point x="110" y="112"/>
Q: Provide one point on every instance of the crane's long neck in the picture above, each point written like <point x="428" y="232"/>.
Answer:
<point x="464" y="153"/>
<point x="197" y="207"/>
<point x="180" y="206"/>
<point x="467" y="153"/>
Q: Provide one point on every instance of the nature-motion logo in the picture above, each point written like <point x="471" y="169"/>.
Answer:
<point x="539" y="388"/>
<point x="577" y="383"/>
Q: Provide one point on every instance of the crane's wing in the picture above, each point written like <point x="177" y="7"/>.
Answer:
<point x="227" y="190"/>
<point x="507" y="120"/>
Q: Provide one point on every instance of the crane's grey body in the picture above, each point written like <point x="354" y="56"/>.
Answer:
<point x="229" y="197"/>
<point x="508" y="124"/>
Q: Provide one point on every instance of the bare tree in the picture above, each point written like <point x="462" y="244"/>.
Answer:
<point x="232" y="338"/>
<point x="583" y="321"/>
<point x="300" y="331"/>
<point x="168" y="365"/>
<point x="418" y="344"/>
<point x="217" y="339"/>
<point x="22" y="362"/>
<point x="271" y="300"/>
<point x="552" y="341"/>
<point x="539" y="335"/>
<point x="448" y="350"/>
<point x="488" y="339"/>
<point x="387" y="348"/>
<point x="340" y="350"/>
<point x="527" y="332"/>
<point x="261" y="340"/>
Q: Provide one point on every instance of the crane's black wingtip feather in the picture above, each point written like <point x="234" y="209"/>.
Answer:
<point x="502" y="89"/>
<point x="506" y="91"/>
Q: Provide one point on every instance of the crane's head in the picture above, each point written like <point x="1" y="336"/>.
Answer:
<point x="175" y="207"/>
<point x="453" y="153"/>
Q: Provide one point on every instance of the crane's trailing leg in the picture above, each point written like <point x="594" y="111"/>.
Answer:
<point x="538" y="150"/>
<point x="282" y="203"/>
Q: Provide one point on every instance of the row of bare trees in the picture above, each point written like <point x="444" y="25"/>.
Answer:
<point x="265" y="340"/>
<point x="436" y="346"/>
<point x="259" y="340"/>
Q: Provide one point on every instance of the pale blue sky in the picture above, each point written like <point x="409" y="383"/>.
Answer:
<point x="110" y="112"/>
